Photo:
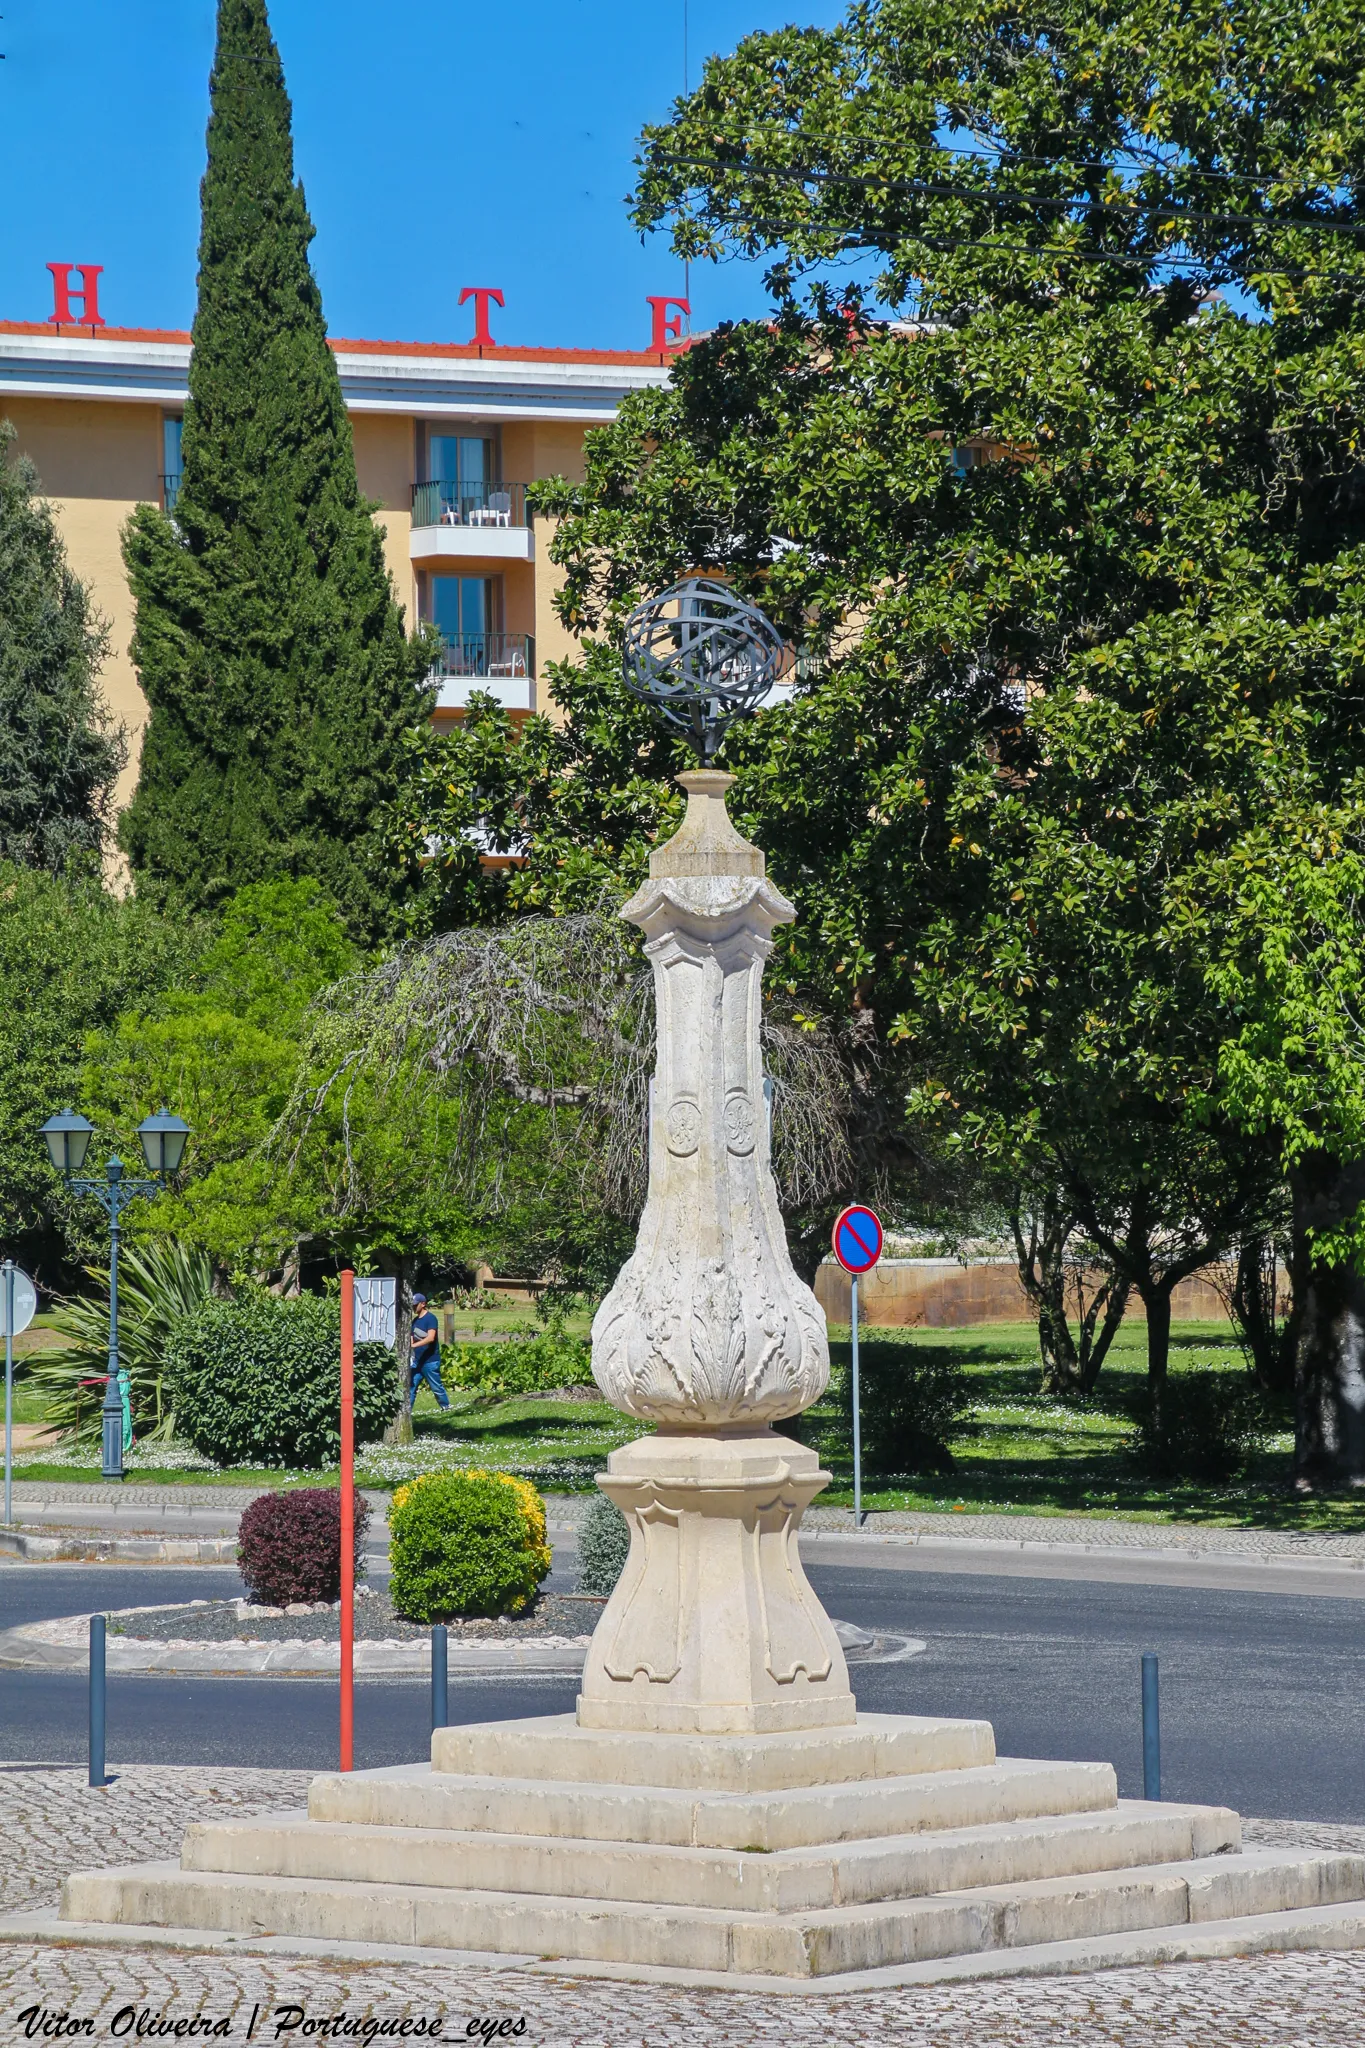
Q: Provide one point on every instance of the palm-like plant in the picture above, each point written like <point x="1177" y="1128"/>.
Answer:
<point x="157" y="1286"/>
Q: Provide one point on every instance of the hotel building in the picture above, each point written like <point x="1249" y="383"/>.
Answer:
<point x="447" y="438"/>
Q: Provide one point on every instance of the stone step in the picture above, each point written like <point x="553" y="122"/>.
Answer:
<point x="801" y="1944"/>
<point x="910" y="1866"/>
<point x="415" y="1796"/>
<point x="554" y="1746"/>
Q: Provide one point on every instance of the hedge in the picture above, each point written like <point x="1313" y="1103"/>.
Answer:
<point x="258" y="1382"/>
<point x="603" y="1545"/>
<point x="533" y="1365"/>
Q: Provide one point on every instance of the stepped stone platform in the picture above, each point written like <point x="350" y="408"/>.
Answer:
<point x="831" y="1856"/>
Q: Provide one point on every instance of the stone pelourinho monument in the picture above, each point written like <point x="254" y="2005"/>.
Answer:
<point x="717" y="1810"/>
<point x="709" y="1335"/>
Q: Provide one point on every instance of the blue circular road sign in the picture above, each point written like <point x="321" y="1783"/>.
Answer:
<point x="857" y="1239"/>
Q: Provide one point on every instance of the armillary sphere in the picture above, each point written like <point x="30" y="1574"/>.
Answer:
<point x="702" y="655"/>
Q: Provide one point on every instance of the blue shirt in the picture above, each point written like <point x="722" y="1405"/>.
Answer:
<point x="430" y="1354"/>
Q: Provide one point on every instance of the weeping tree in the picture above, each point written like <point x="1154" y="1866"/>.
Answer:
<point x="535" y="1040"/>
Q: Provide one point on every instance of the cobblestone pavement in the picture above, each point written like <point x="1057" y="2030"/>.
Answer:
<point x="51" y="1821"/>
<point x="1098" y="1533"/>
<point x="1265" y="2002"/>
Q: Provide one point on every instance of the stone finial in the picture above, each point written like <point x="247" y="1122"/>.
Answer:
<point x="706" y="843"/>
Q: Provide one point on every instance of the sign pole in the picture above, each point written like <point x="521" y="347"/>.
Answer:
<point x="857" y="1418"/>
<point x="857" y="1238"/>
<point x="347" y="1520"/>
<point x="9" y="1391"/>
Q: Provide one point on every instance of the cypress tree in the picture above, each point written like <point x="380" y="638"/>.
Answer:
<point x="270" y="644"/>
<point x="59" y="753"/>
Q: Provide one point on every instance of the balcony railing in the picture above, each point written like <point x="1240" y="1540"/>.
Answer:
<point x="170" y="490"/>
<point x="495" y="655"/>
<point x="473" y="504"/>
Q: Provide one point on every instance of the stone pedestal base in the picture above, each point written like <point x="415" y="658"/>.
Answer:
<point x="869" y="1854"/>
<point x="713" y="1628"/>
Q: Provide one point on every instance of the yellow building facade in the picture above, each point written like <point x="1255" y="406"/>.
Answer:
<point x="447" y="439"/>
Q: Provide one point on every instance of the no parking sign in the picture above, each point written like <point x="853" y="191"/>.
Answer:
<point x="858" y="1238"/>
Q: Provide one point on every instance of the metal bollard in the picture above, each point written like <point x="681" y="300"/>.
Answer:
<point x="1151" y="1728"/>
<point x="97" y="1776"/>
<point x="440" y="1679"/>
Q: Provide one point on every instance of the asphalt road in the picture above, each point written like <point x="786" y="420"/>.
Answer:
<point x="1263" y="1693"/>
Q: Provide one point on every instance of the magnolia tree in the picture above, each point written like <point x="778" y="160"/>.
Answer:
<point x="1068" y="793"/>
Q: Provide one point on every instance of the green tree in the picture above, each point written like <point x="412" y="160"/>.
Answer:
<point x="232" y="1048"/>
<point x="1077" y="558"/>
<point x="60" y="752"/>
<point x="223" y="1049"/>
<point x="72" y="957"/>
<point x="268" y="638"/>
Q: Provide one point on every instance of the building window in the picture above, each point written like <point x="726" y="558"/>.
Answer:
<point x="172" y="427"/>
<point x="464" y="607"/>
<point x="467" y="612"/>
<point x="458" y="482"/>
<point x="460" y="459"/>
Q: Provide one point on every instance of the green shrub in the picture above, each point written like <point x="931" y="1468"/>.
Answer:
<point x="532" y="1365"/>
<point x="912" y="1401"/>
<point x="1212" y="1425"/>
<point x="465" y="1543"/>
<point x="603" y="1545"/>
<point x="258" y="1382"/>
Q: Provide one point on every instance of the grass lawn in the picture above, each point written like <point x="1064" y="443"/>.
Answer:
<point x="1020" y="1453"/>
<point x="1027" y="1453"/>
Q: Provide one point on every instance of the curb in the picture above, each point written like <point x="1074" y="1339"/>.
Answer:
<point x="299" y="1657"/>
<point x="78" y="1546"/>
<point x="1032" y="1546"/>
<point x="292" y="1657"/>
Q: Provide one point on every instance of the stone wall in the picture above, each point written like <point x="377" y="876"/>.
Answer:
<point x="942" y="1294"/>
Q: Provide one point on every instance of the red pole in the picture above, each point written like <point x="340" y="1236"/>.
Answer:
<point x="347" y="1520"/>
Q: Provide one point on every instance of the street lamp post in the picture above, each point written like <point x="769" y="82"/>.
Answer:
<point x="162" y="1138"/>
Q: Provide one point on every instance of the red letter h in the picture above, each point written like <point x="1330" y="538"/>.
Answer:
<point x="89" y="294"/>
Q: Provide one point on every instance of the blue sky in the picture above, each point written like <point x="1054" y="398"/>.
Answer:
<point x="440" y="144"/>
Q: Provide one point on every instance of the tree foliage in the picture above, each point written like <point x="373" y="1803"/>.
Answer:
<point x="59" y="748"/>
<point x="72" y="958"/>
<point x="268" y="638"/>
<point x="1076" y="561"/>
<point x="223" y="1048"/>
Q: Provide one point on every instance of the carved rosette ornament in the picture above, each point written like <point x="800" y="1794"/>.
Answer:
<point x="709" y="1334"/>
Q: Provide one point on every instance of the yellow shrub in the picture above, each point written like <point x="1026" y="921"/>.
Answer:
<point x="528" y="1499"/>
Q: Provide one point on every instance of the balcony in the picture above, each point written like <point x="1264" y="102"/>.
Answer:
<point x="467" y="521"/>
<point x="500" y="665"/>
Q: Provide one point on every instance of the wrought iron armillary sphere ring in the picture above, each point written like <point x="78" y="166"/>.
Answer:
<point x="701" y="655"/>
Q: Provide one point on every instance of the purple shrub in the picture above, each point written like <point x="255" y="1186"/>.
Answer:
<point x="289" y="1545"/>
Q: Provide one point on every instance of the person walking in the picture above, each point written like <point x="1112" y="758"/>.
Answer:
<point x="426" y="1354"/>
